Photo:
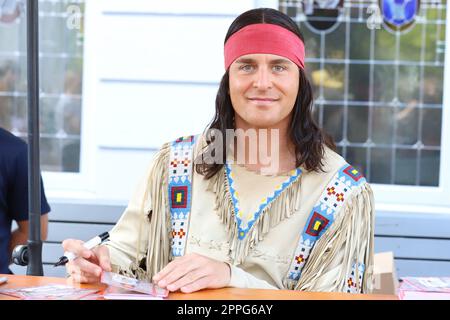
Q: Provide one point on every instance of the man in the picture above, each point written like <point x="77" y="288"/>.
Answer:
<point x="10" y="10"/>
<point x="296" y="218"/>
<point x="14" y="197"/>
<point x="8" y="78"/>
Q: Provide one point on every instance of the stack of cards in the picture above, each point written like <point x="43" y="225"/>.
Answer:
<point x="122" y="287"/>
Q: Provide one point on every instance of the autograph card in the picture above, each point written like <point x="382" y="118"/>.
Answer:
<point x="120" y="281"/>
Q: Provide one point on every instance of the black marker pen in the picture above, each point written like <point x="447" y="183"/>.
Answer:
<point x="68" y="256"/>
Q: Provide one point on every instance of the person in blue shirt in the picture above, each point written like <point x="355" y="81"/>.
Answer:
<point x="14" y="197"/>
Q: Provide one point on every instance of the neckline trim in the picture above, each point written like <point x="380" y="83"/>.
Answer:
<point x="246" y="222"/>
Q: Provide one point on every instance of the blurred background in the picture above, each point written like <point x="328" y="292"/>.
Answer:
<point x="121" y="77"/>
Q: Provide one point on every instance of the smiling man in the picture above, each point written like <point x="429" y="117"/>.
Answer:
<point x="213" y="212"/>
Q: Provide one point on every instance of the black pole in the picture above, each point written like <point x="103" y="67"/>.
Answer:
<point x="34" y="177"/>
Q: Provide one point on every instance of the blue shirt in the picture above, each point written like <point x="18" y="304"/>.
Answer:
<point x="13" y="190"/>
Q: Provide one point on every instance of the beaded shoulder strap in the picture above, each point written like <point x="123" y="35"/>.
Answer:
<point x="322" y="216"/>
<point x="180" y="191"/>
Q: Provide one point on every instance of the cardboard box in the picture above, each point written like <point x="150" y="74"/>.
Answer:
<point x="384" y="274"/>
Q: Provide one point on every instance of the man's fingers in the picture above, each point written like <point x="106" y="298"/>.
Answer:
<point x="81" y="265"/>
<point x="199" y="284"/>
<point x="82" y="278"/>
<point x="187" y="279"/>
<point x="177" y="271"/>
<point x="89" y="267"/>
<point x="166" y="275"/>
<point x="102" y="254"/>
<point x="184" y="260"/>
<point x="76" y="247"/>
<point x="165" y="271"/>
<point x="78" y="275"/>
<point x="193" y="272"/>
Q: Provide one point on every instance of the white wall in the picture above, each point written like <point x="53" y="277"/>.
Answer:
<point x="151" y="73"/>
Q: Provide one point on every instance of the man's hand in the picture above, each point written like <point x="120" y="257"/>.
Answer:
<point x="88" y="267"/>
<point x="20" y="235"/>
<point x="193" y="272"/>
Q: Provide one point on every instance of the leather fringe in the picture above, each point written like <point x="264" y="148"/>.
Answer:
<point x="155" y="200"/>
<point x="351" y="236"/>
<point x="279" y="209"/>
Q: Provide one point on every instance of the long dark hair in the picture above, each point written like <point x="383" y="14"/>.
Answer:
<point x="304" y="133"/>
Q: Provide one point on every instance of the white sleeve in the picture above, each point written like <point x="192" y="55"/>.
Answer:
<point x="130" y="238"/>
<point x="241" y="279"/>
<point x="124" y="235"/>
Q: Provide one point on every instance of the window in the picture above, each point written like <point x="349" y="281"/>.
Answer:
<point x="378" y="75"/>
<point x="61" y="65"/>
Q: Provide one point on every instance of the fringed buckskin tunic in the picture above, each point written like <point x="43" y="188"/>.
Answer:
<point x="301" y="230"/>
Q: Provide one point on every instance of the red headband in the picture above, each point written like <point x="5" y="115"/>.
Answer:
<point x="265" y="38"/>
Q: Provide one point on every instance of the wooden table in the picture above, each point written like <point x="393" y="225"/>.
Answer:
<point x="16" y="281"/>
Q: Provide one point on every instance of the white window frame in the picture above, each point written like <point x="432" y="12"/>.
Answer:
<point x="80" y="185"/>
<point x="420" y="198"/>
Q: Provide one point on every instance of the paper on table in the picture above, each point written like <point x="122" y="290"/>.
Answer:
<point x="419" y="295"/>
<point x="115" y="293"/>
<point x="49" y="292"/>
<point x="425" y="288"/>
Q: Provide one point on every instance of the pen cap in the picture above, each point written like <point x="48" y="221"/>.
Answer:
<point x="104" y="236"/>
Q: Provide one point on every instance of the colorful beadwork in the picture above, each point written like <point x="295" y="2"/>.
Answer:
<point x="246" y="221"/>
<point x="180" y="191"/>
<point x="316" y="224"/>
<point x="178" y="195"/>
<point x="354" y="282"/>
<point x="323" y="215"/>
